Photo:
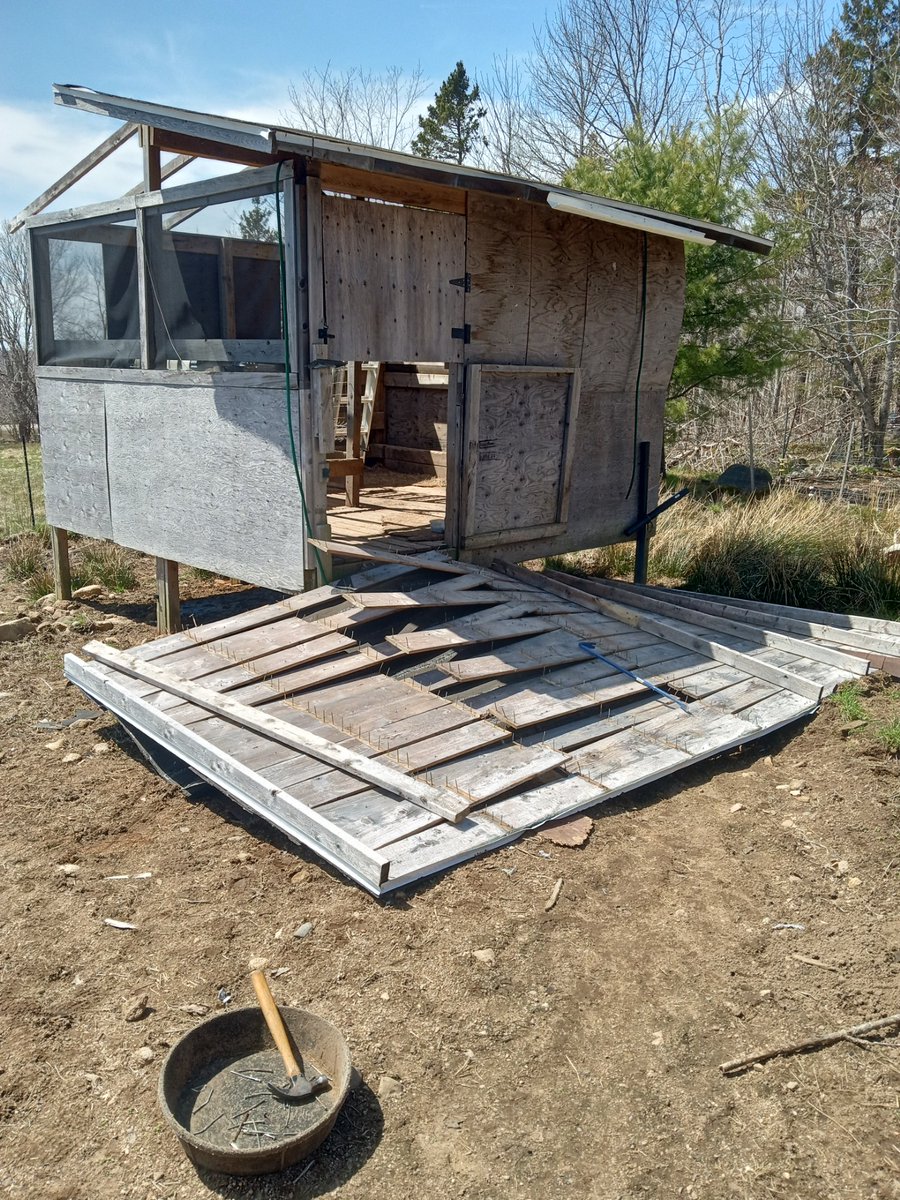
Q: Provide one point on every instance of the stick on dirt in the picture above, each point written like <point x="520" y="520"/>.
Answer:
<point x="816" y="1043"/>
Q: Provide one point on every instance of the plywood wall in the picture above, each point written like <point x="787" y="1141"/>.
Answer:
<point x="553" y="289"/>
<point x="388" y="295"/>
<point x="193" y="469"/>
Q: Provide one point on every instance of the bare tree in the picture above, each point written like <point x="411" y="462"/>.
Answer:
<point x="361" y="106"/>
<point x="18" y="394"/>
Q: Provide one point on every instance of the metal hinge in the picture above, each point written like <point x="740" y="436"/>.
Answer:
<point x="464" y="334"/>
<point x="324" y="335"/>
<point x="465" y="282"/>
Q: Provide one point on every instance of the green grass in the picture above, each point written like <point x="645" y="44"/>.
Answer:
<point x="847" y="700"/>
<point x="889" y="735"/>
<point x="781" y="549"/>
<point x="106" y="563"/>
<point x="15" y="516"/>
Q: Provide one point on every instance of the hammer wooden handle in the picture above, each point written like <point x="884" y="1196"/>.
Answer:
<point x="275" y="1023"/>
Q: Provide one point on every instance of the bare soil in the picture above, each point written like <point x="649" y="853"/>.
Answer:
<point x="579" y="1059"/>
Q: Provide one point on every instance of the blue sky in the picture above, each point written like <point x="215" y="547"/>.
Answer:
<point x="222" y="57"/>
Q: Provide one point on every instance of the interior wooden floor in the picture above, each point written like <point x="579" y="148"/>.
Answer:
<point x="397" y="511"/>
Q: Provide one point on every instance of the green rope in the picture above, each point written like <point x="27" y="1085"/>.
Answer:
<point x="282" y="278"/>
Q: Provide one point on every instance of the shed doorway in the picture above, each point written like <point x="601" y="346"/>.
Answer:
<point x="387" y="455"/>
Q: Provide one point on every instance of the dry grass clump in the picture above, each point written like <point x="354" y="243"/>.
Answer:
<point x="782" y="549"/>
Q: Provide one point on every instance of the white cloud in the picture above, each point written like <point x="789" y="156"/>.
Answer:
<point x="39" y="143"/>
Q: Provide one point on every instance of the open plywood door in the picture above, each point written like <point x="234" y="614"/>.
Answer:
<point x="518" y="447"/>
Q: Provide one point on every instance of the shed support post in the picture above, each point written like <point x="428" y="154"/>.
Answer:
<point x="313" y="463"/>
<point x="642" y="543"/>
<point x="356" y="378"/>
<point x="168" y="604"/>
<point x="62" y="575"/>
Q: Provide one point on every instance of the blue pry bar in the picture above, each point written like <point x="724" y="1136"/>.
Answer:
<point x="590" y="648"/>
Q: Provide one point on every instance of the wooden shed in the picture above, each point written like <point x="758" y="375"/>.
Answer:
<point x="402" y="350"/>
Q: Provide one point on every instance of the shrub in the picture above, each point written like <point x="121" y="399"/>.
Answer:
<point x="25" y="557"/>
<point x="106" y="563"/>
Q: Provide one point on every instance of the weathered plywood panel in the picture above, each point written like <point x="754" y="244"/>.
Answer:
<point x="388" y="295"/>
<point x="73" y="442"/>
<point x="560" y="261"/>
<point x="203" y="475"/>
<point x="416" y="417"/>
<point x="498" y="259"/>
<point x="519" y="427"/>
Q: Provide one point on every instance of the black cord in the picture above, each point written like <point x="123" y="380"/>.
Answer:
<point x="637" y="382"/>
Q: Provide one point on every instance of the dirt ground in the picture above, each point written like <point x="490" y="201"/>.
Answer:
<point x="582" y="1061"/>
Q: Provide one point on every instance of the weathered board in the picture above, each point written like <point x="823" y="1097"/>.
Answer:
<point x="388" y="295"/>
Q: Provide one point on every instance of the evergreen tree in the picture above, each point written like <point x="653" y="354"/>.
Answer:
<point x="449" y="129"/>
<point x="254" y="222"/>
<point x="731" y="334"/>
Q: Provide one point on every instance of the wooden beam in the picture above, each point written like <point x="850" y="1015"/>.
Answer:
<point x="354" y="181"/>
<point x="55" y="190"/>
<point x="168" y="605"/>
<point x="436" y="800"/>
<point x="166" y="172"/>
<point x="151" y="160"/>
<point x="181" y="143"/>
<point x="59" y="550"/>
<point x="356" y="382"/>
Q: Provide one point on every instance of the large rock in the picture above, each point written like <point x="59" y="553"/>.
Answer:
<point x="737" y="476"/>
<point x="14" y="631"/>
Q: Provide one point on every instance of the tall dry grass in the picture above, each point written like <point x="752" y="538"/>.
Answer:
<point x="780" y="548"/>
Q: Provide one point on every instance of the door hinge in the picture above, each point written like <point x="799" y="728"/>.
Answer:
<point x="465" y="282"/>
<point x="324" y="335"/>
<point x="464" y="334"/>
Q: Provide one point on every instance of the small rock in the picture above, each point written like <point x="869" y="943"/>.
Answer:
<point x="14" y="631"/>
<point x="854" y="881"/>
<point x="843" y="867"/>
<point x="787" y="824"/>
<point x="852" y="726"/>
<point x="792" y="1085"/>
<point x="57" y="744"/>
<point x="71" y="758"/>
<point x="388" y="1086"/>
<point x="736" y="808"/>
<point x="304" y="930"/>
<point x="90" y="592"/>
<point x="488" y="957"/>
<point x="136" y="1009"/>
<point x="69" y="869"/>
<point x="799" y="784"/>
<point x="101" y="748"/>
<point x="796" y="792"/>
<point x="144" y="1055"/>
<point x="258" y="964"/>
<point x="768" y="760"/>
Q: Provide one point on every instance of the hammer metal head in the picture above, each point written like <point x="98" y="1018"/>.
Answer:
<point x="299" y="1087"/>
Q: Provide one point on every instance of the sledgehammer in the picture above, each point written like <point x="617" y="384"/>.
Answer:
<point x="298" y="1087"/>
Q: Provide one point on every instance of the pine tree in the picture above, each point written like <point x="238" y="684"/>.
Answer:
<point x="254" y="222"/>
<point x="449" y="129"/>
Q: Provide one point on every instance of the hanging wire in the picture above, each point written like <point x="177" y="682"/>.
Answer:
<point x="28" y="481"/>
<point x="637" y="382"/>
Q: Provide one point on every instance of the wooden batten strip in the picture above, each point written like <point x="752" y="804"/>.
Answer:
<point x="451" y="808"/>
<point x="243" y="784"/>
<point x="672" y="633"/>
<point x="377" y="555"/>
<point x="694" y="616"/>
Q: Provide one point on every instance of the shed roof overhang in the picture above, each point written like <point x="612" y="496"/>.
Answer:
<point x="370" y="170"/>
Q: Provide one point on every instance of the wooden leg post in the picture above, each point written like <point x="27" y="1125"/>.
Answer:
<point x="355" y="386"/>
<point x="642" y="544"/>
<point x="168" y="604"/>
<point x="62" y="576"/>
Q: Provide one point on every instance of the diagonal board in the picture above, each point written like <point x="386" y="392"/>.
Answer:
<point x="451" y="808"/>
<point x="672" y="633"/>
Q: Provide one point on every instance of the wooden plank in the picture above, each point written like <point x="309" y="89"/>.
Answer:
<point x="270" y="665"/>
<point x="378" y="555"/>
<point x="377" y="820"/>
<point x="540" y="653"/>
<point x="544" y="803"/>
<point x="696" y="617"/>
<point x="490" y="773"/>
<point x="401" y="732"/>
<point x="469" y="632"/>
<point x="318" y="747"/>
<point x="449" y="744"/>
<point x="59" y="555"/>
<point x="375" y="185"/>
<point x="671" y="631"/>
<point x="72" y="176"/>
<point x="247" y="787"/>
<point x="168" y="601"/>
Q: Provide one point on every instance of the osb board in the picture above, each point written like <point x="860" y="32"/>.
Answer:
<point x="203" y="475"/>
<point x="388" y="295"/>
<point x="73" y="443"/>
<point x="519" y="432"/>
<point x="416" y="417"/>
